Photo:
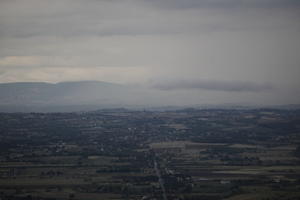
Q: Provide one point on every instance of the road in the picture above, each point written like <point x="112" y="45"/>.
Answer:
<point x="160" y="180"/>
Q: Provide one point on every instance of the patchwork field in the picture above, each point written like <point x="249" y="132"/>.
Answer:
<point x="186" y="154"/>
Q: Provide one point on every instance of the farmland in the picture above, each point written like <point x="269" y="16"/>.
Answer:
<point x="186" y="154"/>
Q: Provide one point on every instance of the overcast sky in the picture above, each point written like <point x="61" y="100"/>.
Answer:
<point x="220" y="51"/>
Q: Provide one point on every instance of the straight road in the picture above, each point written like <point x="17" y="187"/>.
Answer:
<point x="160" y="180"/>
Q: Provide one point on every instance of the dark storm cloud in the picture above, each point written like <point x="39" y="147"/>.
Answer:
<point x="230" y="86"/>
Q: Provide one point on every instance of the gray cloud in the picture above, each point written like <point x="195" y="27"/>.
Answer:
<point x="224" y="4"/>
<point x="229" y="86"/>
<point x="130" y="41"/>
<point x="33" y="18"/>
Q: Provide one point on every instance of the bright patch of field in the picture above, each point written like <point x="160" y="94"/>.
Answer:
<point x="247" y="146"/>
<point x="173" y="144"/>
<point x="177" y="126"/>
<point x="182" y="144"/>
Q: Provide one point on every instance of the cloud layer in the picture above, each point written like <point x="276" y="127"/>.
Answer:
<point x="134" y="41"/>
<point x="231" y="86"/>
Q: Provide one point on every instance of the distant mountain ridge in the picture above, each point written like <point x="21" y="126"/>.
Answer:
<point x="94" y="95"/>
<point x="36" y="94"/>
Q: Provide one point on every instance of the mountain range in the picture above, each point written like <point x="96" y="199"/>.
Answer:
<point x="66" y="96"/>
<point x="94" y="95"/>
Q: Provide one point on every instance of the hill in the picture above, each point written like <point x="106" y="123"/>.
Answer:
<point x="64" y="96"/>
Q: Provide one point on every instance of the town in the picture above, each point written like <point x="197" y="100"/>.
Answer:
<point x="185" y="154"/>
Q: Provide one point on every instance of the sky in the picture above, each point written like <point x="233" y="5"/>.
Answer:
<point x="209" y="51"/>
